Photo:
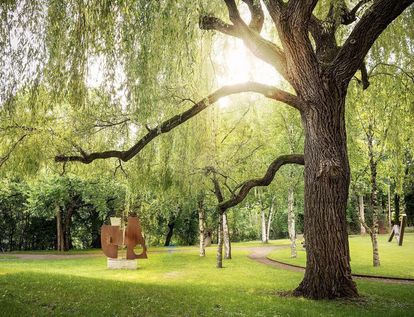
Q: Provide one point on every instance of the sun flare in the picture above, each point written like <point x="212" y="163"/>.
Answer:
<point x="234" y="64"/>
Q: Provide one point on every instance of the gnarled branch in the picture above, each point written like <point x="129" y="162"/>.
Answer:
<point x="168" y="125"/>
<point x="301" y="10"/>
<point x="208" y="22"/>
<point x="257" y="16"/>
<point x="370" y="26"/>
<point x="264" y="181"/>
<point x="349" y="16"/>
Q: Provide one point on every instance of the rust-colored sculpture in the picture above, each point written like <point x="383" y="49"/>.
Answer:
<point x="112" y="237"/>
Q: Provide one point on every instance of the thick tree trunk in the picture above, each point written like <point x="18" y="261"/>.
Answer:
<point x="291" y="223"/>
<point x="362" y="213"/>
<point x="219" y="258"/>
<point x="226" y="238"/>
<point x="327" y="178"/>
<point x="201" y="227"/>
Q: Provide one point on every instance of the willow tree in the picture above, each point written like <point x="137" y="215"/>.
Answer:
<point x="307" y="55"/>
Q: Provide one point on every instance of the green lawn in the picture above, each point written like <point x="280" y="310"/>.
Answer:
<point x="177" y="284"/>
<point x="396" y="261"/>
<point x="254" y="243"/>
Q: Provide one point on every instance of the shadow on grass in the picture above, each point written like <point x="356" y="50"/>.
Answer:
<point x="40" y="294"/>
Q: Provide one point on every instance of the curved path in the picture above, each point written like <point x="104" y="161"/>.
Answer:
<point x="259" y="254"/>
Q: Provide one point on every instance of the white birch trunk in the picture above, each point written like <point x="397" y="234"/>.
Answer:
<point x="263" y="216"/>
<point x="219" y="257"/>
<point x="226" y="238"/>
<point x="202" y="228"/>
<point x="362" y="213"/>
<point x="291" y="223"/>
<point x="374" y="240"/>
<point x="269" y="220"/>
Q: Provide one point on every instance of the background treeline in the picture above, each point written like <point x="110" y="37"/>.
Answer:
<point x="38" y="215"/>
<point x="31" y="213"/>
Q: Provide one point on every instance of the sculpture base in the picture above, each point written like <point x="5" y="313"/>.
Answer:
<point x="122" y="264"/>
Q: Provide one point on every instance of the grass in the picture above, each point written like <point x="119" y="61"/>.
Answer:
<point x="396" y="261"/>
<point x="254" y="243"/>
<point x="177" y="284"/>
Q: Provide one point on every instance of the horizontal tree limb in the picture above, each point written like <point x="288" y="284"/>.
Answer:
<point x="169" y="124"/>
<point x="264" y="181"/>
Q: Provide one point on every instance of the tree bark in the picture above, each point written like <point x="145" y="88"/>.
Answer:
<point x="291" y="223"/>
<point x="219" y="257"/>
<point x="327" y="178"/>
<point x="201" y="227"/>
<point x="397" y="206"/>
<point x="374" y="198"/>
<point x="362" y="213"/>
<point x="389" y="208"/>
<point x="264" y="233"/>
<point x="59" y="231"/>
<point x="67" y="229"/>
<point x="270" y="219"/>
<point x="226" y="238"/>
<point x="171" y="225"/>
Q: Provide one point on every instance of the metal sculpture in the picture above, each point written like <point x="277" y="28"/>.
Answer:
<point x="113" y="237"/>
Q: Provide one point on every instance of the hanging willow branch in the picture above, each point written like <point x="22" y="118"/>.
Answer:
<point x="6" y="156"/>
<point x="168" y="125"/>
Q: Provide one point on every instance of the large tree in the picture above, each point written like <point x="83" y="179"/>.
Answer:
<point x="318" y="68"/>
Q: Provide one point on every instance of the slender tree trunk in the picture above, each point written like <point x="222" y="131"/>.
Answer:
<point x="67" y="229"/>
<point x="327" y="178"/>
<point x="201" y="227"/>
<point x="397" y="206"/>
<point x="291" y="223"/>
<point x="375" y="253"/>
<point x="263" y="217"/>
<point x="219" y="258"/>
<point x="362" y="213"/>
<point x="171" y="225"/>
<point x="11" y="241"/>
<point x="374" y="199"/>
<point x="226" y="238"/>
<point x="389" y="208"/>
<point x="270" y="219"/>
<point x="59" y="231"/>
